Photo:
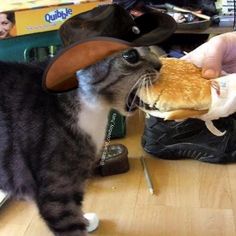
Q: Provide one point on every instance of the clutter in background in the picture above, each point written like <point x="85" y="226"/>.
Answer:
<point x="227" y="13"/>
<point x="189" y="15"/>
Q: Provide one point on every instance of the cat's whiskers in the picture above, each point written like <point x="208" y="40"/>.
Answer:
<point x="145" y="85"/>
<point x="149" y="85"/>
<point x="147" y="90"/>
<point x="135" y="86"/>
<point x="143" y="82"/>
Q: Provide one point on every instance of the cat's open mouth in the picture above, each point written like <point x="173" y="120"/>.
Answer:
<point x="133" y="101"/>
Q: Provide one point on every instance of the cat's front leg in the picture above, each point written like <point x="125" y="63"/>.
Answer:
<point x="60" y="206"/>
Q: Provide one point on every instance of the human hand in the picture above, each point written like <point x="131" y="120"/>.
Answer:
<point x="215" y="56"/>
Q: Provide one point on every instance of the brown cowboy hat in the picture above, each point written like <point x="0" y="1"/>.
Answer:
<point x="93" y="35"/>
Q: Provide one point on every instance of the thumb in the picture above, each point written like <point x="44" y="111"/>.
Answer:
<point x="212" y="60"/>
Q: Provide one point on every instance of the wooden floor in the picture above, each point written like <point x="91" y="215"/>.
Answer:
<point x="191" y="199"/>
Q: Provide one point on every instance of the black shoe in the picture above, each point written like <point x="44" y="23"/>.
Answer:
<point x="190" y="139"/>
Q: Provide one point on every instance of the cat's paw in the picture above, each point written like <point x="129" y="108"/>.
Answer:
<point x="93" y="221"/>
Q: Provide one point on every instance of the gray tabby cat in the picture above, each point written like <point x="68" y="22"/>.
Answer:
<point x="49" y="142"/>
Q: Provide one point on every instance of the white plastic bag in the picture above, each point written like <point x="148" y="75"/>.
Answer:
<point x="223" y="104"/>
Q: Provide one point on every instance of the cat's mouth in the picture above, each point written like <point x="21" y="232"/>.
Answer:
<point x="133" y="101"/>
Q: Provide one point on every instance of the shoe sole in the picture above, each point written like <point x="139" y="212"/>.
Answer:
<point x="187" y="150"/>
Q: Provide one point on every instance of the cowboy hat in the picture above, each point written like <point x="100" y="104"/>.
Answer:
<point x="93" y="35"/>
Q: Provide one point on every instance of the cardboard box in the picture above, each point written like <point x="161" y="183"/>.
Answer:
<point x="40" y="18"/>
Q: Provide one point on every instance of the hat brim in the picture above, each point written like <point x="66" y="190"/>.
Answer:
<point x="60" y="74"/>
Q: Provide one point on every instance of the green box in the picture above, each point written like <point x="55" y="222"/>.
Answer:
<point x="19" y="49"/>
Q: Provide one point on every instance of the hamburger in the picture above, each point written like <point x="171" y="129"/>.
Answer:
<point x="179" y="92"/>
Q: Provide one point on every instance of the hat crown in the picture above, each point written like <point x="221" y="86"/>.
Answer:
<point x="103" y="21"/>
<point x="114" y="21"/>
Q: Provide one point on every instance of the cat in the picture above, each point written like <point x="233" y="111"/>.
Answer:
<point x="49" y="143"/>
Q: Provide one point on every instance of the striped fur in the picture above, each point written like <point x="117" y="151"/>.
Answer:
<point x="48" y="142"/>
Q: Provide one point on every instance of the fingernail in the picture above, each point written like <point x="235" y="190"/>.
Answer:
<point x="210" y="73"/>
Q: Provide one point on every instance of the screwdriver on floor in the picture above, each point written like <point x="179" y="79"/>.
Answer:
<point x="147" y="176"/>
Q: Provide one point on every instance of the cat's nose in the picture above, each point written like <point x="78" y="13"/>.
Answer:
<point x="157" y="66"/>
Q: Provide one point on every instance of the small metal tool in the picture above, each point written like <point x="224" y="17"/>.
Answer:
<point x="147" y="176"/>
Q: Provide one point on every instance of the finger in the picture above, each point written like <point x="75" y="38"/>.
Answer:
<point x="213" y="57"/>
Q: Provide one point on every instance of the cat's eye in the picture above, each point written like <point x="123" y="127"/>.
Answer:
<point x="131" y="56"/>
